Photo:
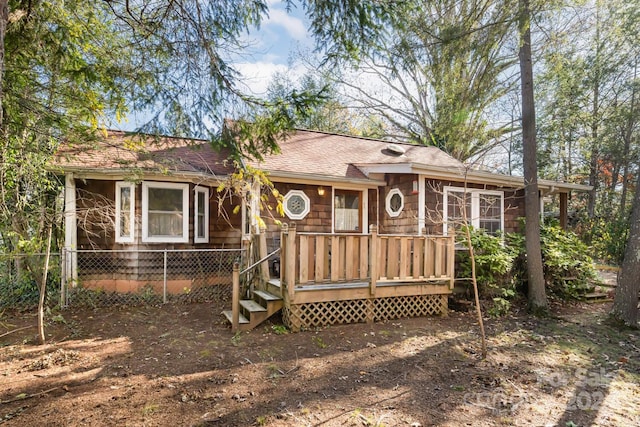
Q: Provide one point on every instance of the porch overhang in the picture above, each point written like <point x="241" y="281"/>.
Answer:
<point x="147" y="175"/>
<point x="314" y="179"/>
<point x="471" y="176"/>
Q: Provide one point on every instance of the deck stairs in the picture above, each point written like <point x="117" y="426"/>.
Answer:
<point x="256" y="310"/>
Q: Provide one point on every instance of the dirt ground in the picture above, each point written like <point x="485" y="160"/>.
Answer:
<point x="181" y="365"/>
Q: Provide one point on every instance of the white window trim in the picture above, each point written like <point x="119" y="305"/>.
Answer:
<point x="145" y="212"/>
<point x="475" y="205"/>
<point x="387" y="205"/>
<point x="132" y="212"/>
<point x="364" y="196"/>
<point x="204" y="193"/>
<point x="307" y="206"/>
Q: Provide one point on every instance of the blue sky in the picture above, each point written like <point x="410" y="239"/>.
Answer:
<point x="271" y="46"/>
<point x="269" y="49"/>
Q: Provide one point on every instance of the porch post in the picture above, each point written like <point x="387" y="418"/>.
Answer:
<point x="422" y="200"/>
<point x="255" y="205"/>
<point x="563" y="210"/>
<point x="70" y="230"/>
<point x="235" y="298"/>
<point x="284" y="232"/>
<point x="264" y="267"/>
<point x="373" y="260"/>
<point x="290" y="261"/>
<point x="451" y="257"/>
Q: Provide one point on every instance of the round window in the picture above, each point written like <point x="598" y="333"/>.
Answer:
<point x="296" y="204"/>
<point x="394" y="203"/>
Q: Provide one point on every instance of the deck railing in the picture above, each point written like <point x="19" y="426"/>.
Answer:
<point x="317" y="258"/>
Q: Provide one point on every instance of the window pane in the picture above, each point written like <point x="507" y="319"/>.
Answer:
<point x="165" y="212"/>
<point x="490" y="212"/>
<point x="165" y="224"/>
<point x="125" y="211"/>
<point x="347" y="212"/>
<point x="165" y="199"/>
<point x="455" y="202"/>
<point x="296" y="204"/>
<point x="395" y="203"/>
<point x="491" y="226"/>
<point x="200" y="229"/>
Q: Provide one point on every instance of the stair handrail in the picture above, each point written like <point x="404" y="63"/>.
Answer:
<point x="235" y="289"/>
<point x="263" y="259"/>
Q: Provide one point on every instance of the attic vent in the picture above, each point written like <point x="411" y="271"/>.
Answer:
<point x="395" y="149"/>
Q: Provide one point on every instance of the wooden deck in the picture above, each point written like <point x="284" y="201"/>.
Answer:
<point x="345" y="278"/>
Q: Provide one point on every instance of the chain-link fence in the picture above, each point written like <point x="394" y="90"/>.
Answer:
<point x="100" y="278"/>
<point x="19" y="286"/>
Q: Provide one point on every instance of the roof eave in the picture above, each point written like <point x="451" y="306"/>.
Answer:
<point x="115" y="174"/>
<point x="303" y="178"/>
<point x="483" y="177"/>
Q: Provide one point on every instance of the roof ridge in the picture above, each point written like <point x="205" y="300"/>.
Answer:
<point x="365" y="138"/>
<point x="126" y="132"/>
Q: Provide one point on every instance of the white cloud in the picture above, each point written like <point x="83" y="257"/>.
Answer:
<point x="293" y="26"/>
<point x="257" y="75"/>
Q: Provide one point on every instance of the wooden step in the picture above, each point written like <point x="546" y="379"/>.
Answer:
<point x="274" y="287"/>
<point x="266" y="296"/>
<point x="274" y="282"/>
<point x="253" y="312"/>
<point x="597" y="297"/>
<point x="229" y="315"/>
<point x="251" y="306"/>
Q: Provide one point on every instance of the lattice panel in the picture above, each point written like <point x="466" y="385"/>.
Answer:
<point x="311" y="315"/>
<point x="326" y="313"/>
<point x="409" y="306"/>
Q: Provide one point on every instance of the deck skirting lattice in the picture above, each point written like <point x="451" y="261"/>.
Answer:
<point x="409" y="306"/>
<point x="309" y="315"/>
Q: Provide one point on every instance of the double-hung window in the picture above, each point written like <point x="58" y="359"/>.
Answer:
<point x="480" y="208"/>
<point x="165" y="212"/>
<point x="201" y="215"/>
<point x="125" y="212"/>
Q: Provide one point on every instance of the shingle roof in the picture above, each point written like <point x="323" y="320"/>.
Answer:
<point x="122" y="151"/>
<point x="303" y="152"/>
<point x="316" y="154"/>
<point x="325" y="154"/>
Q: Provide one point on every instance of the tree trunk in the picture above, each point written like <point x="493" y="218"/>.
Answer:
<point x="4" y="20"/>
<point x="537" y="294"/>
<point x="595" y="118"/>
<point x="625" y="303"/>
<point x="627" y="136"/>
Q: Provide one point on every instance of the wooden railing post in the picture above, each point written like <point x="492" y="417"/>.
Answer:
<point x="373" y="259"/>
<point x="451" y="257"/>
<point x="284" y="232"/>
<point x="235" y="298"/>
<point x="290" y="261"/>
<point x="264" y="268"/>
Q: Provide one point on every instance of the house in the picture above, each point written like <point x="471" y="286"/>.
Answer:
<point x="366" y="231"/>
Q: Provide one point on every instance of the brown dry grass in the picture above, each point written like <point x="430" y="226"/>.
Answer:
<point x="180" y="365"/>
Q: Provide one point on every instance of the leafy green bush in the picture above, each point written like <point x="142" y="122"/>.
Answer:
<point x="494" y="261"/>
<point x="606" y="237"/>
<point x="501" y="265"/>
<point x="568" y="267"/>
<point x="21" y="291"/>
